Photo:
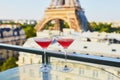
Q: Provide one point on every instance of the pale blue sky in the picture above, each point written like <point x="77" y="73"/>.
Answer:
<point x="95" y="10"/>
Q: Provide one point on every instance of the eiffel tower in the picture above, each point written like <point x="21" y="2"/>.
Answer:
<point x="69" y="11"/>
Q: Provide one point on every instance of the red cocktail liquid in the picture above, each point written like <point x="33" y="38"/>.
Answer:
<point x="43" y="42"/>
<point x="65" y="42"/>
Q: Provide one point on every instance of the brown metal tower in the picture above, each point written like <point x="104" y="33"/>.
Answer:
<point x="69" y="11"/>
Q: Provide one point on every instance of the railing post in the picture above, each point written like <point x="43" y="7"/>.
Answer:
<point x="43" y="60"/>
<point x="47" y="59"/>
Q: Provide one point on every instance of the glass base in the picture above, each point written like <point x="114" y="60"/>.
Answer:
<point x="45" y="68"/>
<point x="66" y="69"/>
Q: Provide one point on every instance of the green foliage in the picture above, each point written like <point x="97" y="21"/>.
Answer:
<point x="0" y="68"/>
<point x="9" y="63"/>
<point x="1" y="63"/>
<point x="50" y="25"/>
<point x="29" y="30"/>
<point x="0" y="21"/>
<point x="66" y="25"/>
<point x="104" y="27"/>
<point x="10" y="23"/>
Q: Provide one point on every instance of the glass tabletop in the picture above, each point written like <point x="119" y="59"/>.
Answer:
<point x="79" y="72"/>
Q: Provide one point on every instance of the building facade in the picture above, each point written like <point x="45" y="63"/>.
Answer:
<point x="11" y="34"/>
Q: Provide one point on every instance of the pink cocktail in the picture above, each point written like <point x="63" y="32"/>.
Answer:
<point x="44" y="43"/>
<point x="65" y="43"/>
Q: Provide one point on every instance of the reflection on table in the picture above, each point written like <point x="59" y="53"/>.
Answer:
<point x="80" y="71"/>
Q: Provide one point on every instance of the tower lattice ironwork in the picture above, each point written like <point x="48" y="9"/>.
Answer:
<point x="69" y="11"/>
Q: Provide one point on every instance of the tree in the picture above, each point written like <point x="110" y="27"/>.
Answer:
<point x="9" y="63"/>
<point x="93" y="25"/>
<point x="118" y="30"/>
<point x="29" y="31"/>
<point x="0" y="21"/>
<point x="101" y="27"/>
<point x="0" y="68"/>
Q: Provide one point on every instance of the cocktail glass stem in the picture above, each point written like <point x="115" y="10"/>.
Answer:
<point x="45" y="67"/>
<point x="44" y="57"/>
<point x="65" y="56"/>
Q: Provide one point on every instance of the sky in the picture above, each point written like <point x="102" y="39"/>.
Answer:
<point x="95" y="10"/>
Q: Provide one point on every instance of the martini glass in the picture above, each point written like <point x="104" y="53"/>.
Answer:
<point x="44" y="43"/>
<point x="65" y="43"/>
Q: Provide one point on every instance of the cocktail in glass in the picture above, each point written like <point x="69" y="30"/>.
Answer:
<point x="65" y="43"/>
<point x="43" y="43"/>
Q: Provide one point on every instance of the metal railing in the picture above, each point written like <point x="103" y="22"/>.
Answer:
<point x="73" y="56"/>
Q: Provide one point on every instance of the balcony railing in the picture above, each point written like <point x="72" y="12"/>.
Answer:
<point x="115" y="62"/>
